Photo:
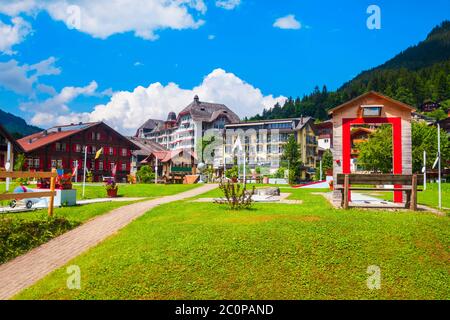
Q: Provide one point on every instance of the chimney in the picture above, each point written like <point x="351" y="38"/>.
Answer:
<point x="45" y="133"/>
<point x="59" y="129"/>
<point x="30" y="141"/>
<point x="80" y="123"/>
<point x="196" y="99"/>
<point x="301" y="119"/>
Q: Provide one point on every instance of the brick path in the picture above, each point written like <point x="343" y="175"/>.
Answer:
<point x="25" y="270"/>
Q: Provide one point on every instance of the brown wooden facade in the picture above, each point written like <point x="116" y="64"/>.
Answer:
<point x="63" y="149"/>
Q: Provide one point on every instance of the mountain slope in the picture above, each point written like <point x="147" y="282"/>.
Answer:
<point x="16" y="125"/>
<point x="418" y="74"/>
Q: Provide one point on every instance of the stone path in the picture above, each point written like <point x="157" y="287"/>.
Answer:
<point x="25" y="270"/>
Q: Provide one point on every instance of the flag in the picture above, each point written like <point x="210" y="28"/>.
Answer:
<point x="436" y="162"/>
<point x="114" y="170"/>
<point x="98" y="153"/>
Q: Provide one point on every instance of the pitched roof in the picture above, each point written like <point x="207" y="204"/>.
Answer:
<point x="146" y="146"/>
<point x="149" y="125"/>
<point x="55" y="134"/>
<point x="377" y="94"/>
<point x="10" y="138"/>
<point x="167" y="155"/>
<point x="208" y="112"/>
<point x="303" y="122"/>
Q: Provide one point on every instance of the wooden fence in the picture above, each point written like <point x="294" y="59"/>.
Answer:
<point x="27" y="195"/>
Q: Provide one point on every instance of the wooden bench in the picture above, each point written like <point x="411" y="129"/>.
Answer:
<point x="407" y="183"/>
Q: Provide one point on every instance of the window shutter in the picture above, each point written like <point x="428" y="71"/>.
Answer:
<point x="119" y="166"/>
<point x="115" y="151"/>
<point x="128" y="166"/>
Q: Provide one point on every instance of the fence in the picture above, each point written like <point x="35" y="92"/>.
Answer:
<point x="27" y="195"/>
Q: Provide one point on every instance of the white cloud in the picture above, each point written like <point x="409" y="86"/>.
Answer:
<point x="228" y="4"/>
<point x="128" y="110"/>
<point x="288" y="22"/>
<point x="21" y="79"/>
<point x="211" y="37"/>
<point x="103" y="18"/>
<point x="12" y="34"/>
<point x="50" y="110"/>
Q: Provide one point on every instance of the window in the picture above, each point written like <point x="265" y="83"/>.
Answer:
<point x="92" y="164"/>
<point x="124" y="166"/>
<point x="93" y="149"/>
<point x="98" y="136"/>
<point x="100" y="166"/>
<point x="92" y="135"/>
<point x="36" y="163"/>
<point x="111" y="151"/>
<point x="78" y="148"/>
<point x="112" y="166"/>
<point x="74" y="163"/>
<point x="59" y="163"/>
<point x="124" y="152"/>
<point x="30" y="163"/>
<point x="371" y="111"/>
<point x="53" y="163"/>
<point x="60" y="146"/>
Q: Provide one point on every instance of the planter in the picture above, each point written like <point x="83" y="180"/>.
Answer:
<point x="112" y="193"/>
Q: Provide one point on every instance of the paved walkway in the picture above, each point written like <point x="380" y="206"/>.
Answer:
<point x="25" y="270"/>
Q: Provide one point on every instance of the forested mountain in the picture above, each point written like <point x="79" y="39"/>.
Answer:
<point x="420" y="73"/>
<point x="16" y="125"/>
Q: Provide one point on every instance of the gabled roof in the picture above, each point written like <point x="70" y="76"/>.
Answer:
<point x="149" y="125"/>
<point x="146" y="146"/>
<point x="208" y="112"/>
<point x="303" y="122"/>
<point x="10" y="138"/>
<point x="167" y="155"/>
<point x="57" y="133"/>
<point x="371" y="93"/>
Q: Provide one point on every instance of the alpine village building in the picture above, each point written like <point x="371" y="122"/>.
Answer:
<point x="8" y="149"/>
<point x="62" y="147"/>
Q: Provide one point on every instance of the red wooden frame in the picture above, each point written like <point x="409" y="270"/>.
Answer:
<point x="396" y="123"/>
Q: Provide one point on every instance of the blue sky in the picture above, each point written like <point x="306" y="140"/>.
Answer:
<point x="237" y="46"/>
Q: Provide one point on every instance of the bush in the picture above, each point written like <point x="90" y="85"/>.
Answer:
<point x="232" y="173"/>
<point x="18" y="236"/>
<point x="145" y="174"/>
<point x="280" y="173"/>
<point x="236" y="196"/>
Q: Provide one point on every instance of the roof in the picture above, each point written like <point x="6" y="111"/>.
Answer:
<point x="146" y="146"/>
<point x="57" y="133"/>
<point x="167" y="155"/>
<point x="371" y="93"/>
<point x="208" y="112"/>
<point x="303" y="122"/>
<point x="149" y="125"/>
<point x="3" y="132"/>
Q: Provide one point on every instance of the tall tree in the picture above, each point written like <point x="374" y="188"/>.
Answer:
<point x="292" y="155"/>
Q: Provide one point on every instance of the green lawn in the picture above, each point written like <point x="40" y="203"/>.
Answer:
<point x="187" y="250"/>
<point x="97" y="190"/>
<point x="428" y="197"/>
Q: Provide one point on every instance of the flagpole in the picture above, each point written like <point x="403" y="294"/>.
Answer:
<point x="156" y="170"/>
<point x="424" y="170"/>
<point x="439" y="165"/>
<point x="84" y="167"/>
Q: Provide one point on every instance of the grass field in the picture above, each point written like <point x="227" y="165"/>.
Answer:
<point x="187" y="250"/>
<point x="428" y="197"/>
<point x="97" y="190"/>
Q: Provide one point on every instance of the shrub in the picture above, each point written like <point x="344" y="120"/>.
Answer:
<point x="145" y="174"/>
<point x="232" y="173"/>
<point x="18" y="236"/>
<point x="236" y="196"/>
<point x="280" y="173"/>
